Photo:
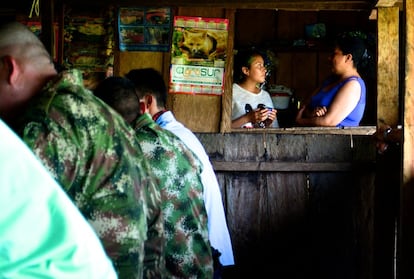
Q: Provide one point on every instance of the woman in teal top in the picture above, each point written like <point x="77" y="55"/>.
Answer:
<point x="340" y="101"/>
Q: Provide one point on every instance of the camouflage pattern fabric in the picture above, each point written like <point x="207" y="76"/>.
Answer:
<point x="188" y="252"/>
<point x="94" y="155"/>
<point x="154" y="260"/>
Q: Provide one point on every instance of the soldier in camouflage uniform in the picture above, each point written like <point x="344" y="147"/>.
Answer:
<point x="188" y="253"/>
<point x="86" y="145"/>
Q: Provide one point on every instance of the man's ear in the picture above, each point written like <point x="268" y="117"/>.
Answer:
<point x="149" y="100"/>
<point x="142" y="107"/>
<point x="11" y="68"/>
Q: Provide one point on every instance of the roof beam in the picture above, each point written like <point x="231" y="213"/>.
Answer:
<point x="389" y="3"/>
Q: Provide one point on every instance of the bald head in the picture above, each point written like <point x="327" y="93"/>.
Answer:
<point x="19" y="41"/>
<point x="25" y="68"/>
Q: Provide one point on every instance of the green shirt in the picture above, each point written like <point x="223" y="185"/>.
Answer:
<point x="188" y="253"/>
<point x="94" y="155"/>
<point x="43" y="234"/>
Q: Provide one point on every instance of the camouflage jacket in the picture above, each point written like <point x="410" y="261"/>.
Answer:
<point x="188" y="253"/>
<point x="94" y="155"/>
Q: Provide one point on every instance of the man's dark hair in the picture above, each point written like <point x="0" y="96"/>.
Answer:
<point x="119" y="93"/>
<point x="149" y="81"/>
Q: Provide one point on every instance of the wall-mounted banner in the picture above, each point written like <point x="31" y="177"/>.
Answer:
<point x="198" y="55"/>
<point x="196" y="79"/>
<point x="145" y="29"/>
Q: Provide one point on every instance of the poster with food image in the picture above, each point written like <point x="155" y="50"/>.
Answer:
<point x="198" y="55"/>
<point x="146" y="29"/>
<point x="85" y="43"/>
<point x="89" y="43"/>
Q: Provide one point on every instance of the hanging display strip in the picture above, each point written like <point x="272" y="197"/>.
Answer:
<point x="144" y="29"/>
<point x="198" y="55"/>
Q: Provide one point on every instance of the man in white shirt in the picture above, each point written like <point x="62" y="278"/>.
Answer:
<point x="152" y="92"/>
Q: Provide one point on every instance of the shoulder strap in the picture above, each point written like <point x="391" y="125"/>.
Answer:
<point x="348" y="79"/>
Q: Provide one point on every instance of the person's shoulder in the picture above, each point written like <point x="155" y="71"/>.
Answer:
<point x="237" y="89"/>
<point x="361" y="81"/>
<point x="172" y="137"/>
<point x="156" y="136"/>
<point x="354" y="80"/>
<point x="190" y="139"/>
<point x="264" y="92"/>
<point x="352" y="86"/>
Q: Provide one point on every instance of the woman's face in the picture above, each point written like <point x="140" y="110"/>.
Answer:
<point x="338" y="60"/>
<point x="257" y="70"/>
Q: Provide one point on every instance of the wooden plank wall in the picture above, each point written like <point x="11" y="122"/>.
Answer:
<point x="308" y="214"/>
<point x="297" y="69"/>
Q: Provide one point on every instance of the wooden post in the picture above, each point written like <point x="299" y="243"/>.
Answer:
<point x="225" y="124"/>
<point x="389" y="164"/>
<point x="409" y="92"/>
<point x="388" y="64"/>
<point x="406" y="242"/>
<point x="47" y="17"/>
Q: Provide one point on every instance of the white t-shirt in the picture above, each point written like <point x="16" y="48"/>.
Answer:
<point x="241" y="97"/>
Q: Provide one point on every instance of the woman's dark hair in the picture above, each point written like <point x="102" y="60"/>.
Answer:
<point x="354" y="43"/>
<point x="244" y="58"/>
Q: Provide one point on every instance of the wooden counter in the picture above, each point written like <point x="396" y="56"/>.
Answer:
<point x="299" y="202"/>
